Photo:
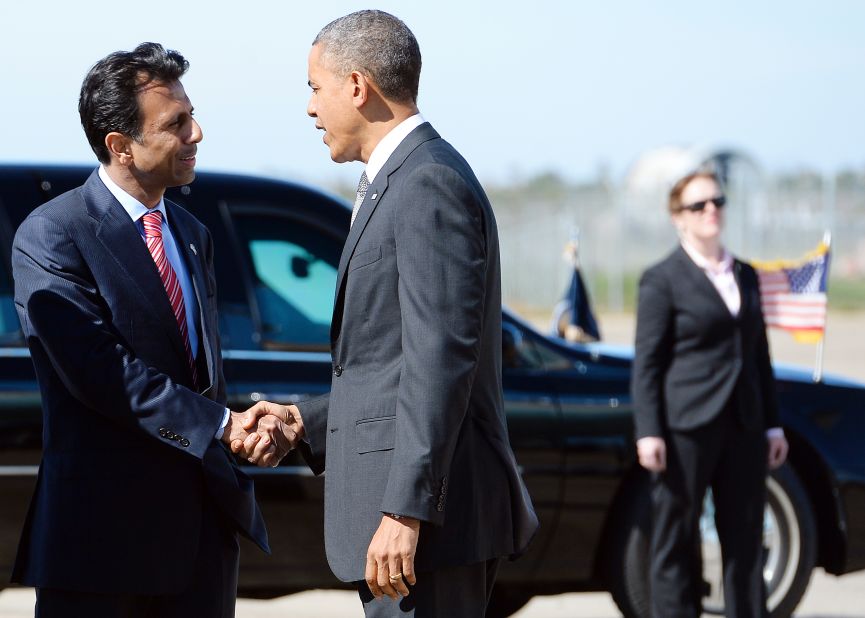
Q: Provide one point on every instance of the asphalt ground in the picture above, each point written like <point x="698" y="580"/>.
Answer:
<point x="827" y="596"/>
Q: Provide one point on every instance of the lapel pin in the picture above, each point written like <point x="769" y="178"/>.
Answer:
<point x="192" y="246"/>
<point x="374" y="195"/>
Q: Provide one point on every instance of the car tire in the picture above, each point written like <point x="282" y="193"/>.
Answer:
<point x="791" y="535"/>
<point x="506" y="601"/>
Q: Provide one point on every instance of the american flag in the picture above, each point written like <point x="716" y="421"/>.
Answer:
<point x="793" y="294"/>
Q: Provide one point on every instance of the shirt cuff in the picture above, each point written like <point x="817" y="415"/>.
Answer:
<point x="775" y="432"/>
<point x="221" y="429"/>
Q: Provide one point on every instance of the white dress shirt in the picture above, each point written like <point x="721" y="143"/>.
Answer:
<point x="384" y="149"/>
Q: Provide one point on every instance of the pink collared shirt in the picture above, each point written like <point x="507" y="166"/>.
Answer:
<point x="721" y="276"/>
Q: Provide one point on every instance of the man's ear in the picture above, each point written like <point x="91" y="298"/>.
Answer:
<point x="360" y="88"/>
<point x="119" y="147"/>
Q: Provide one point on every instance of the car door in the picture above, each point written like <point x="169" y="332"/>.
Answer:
<point x="21" y="190"/>
<point x="593" y="390"/>
<point x="535" y="432"/>
<point x="286" y="250"/>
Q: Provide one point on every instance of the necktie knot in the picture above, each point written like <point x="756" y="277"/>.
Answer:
<point x="152" y="224"/>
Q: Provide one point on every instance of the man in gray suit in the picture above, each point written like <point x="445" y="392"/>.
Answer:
<point x="422" y="494"/>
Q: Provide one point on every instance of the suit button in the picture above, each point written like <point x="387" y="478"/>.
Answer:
<point x="337" y="371"/>
<point x="163" y="432"/>
<point x="184" y="442"/>
<point x="440" y="508"/>
<point x="170" y="435"/>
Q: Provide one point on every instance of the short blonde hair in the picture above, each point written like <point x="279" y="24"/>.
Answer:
<point x="675" y="203"/>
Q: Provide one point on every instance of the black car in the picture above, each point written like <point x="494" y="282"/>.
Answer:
<point x="568" y="406"/>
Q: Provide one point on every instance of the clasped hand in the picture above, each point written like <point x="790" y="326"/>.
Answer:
<point x="265" y="433"/>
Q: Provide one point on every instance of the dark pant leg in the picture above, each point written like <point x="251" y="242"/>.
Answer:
<point x="739" y="489"/>
<point x="677" y="503"/>
<point x="52" y="603"/>
<point x="456" y="592"/>
<point x="212" y="593"/>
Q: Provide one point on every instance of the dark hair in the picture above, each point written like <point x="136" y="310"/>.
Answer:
<point x="378" y="45"/>
<point x="109" y="94"/>
<point x="675" y="203"/>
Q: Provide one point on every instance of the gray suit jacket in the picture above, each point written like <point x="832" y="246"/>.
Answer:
<point x="414" y="423"/>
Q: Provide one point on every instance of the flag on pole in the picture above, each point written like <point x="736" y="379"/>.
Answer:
<point x="573" y="318"/>
<point x="793" y="293"/>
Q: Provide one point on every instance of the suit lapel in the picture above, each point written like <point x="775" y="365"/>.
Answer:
<point x="745" y="291"/>
<point x="122" y="240"/>
<point x="190" y="252"/>
<point x="707" y="289"/>
<point x="374" y="195"/>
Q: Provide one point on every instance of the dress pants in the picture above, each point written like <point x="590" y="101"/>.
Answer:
<point x="211" y="593"/>
<point x="456" y="592"/>
<point x="732" y="461"/>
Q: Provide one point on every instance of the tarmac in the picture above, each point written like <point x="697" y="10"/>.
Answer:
<point x="827" y="597"/>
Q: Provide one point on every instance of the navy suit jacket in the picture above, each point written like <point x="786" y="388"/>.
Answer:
<point x="692" y="356"/>
<point x="415" y="423"/>
<point x="129" y="455"/>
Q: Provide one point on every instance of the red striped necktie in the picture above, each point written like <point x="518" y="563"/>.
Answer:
<point x="153" y="237"/>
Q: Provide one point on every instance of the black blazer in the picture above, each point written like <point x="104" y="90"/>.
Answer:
<point x="692" y="356"/>
<point x="129" y="456"/>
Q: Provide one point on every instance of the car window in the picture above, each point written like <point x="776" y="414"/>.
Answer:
<point x="10" y="332"/>
<point x="518" y="351"/>
<point x="294" y="274"/>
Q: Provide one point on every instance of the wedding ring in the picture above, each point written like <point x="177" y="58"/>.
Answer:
<point x="395" y="578"/>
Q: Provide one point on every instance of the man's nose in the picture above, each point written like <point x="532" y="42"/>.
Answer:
<point x="197" y="134"/>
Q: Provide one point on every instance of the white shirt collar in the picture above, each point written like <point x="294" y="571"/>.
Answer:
<point x="382" y="152"/>
<point x="133" y="207"/>
<point x="725" y="265"/>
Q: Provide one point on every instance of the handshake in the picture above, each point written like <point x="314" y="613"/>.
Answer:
<point x="265" y="433"/>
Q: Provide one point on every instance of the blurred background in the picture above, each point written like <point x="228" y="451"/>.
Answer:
<point x="573" y="114"/>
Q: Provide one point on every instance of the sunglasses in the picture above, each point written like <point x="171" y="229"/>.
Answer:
<point x="718" y="201"/>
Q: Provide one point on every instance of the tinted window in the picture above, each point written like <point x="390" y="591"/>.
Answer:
<point x="19" y="194"/>
<point x="9" y="325"/>
<point x="293" y="268"/>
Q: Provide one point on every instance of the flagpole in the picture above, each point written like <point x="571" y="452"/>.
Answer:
<point x="818" y="367"/>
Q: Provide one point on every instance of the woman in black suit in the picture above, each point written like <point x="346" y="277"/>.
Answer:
<point x="705" y="409"/>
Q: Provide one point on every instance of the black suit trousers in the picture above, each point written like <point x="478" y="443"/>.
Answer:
<point x="211" y="593"/>
<point x="732" y="461"/>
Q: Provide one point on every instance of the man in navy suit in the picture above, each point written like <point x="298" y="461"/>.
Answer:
<point x="138" y="503"/>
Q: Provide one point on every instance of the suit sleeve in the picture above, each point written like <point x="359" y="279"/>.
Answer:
<point x="653" y="350"/>
<point x="764" y="364"/>
<point x="441" y="262"/>
<point x="313" y="413"/>
<point x="65" y="318"/>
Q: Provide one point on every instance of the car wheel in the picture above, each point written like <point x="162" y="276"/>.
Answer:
<point x="506" y="602"/>
<point x="790" y="542"/>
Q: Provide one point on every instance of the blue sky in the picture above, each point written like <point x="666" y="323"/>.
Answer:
<point x="519" y="88"/>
